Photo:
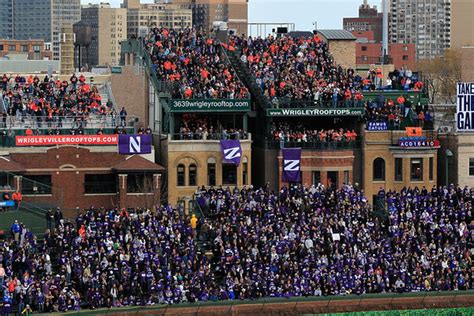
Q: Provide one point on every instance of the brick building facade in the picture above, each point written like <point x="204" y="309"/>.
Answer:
<point x="329" y="167"/>
<point x="72" y="176"/>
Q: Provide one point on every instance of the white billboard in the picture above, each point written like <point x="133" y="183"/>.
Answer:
<point x="465" y="107"/>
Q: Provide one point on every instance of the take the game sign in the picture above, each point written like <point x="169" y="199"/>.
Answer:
<point x="465" y="107"/>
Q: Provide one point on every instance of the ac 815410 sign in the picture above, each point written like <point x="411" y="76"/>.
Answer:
<point x="418" y="143"/>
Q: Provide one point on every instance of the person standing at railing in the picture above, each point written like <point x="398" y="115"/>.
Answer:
<point x="49" y="219"/>
<point x="17" y="198"/>
<point x="123" y="116"/>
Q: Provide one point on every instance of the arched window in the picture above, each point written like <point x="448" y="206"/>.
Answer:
<point x="379" y="170"/>
<point x="192" y="175"/>
<point x="180" y="173"/>
<point x="211" y="171"/>
<point x="245" y="171"/>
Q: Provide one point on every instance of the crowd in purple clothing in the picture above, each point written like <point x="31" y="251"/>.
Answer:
<point x="300" y="241"/>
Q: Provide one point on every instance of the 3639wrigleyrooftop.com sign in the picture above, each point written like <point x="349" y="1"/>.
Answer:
<point x="52" y="140"/>
<point x="316" y="112"/>
<point x="209" y="105"/>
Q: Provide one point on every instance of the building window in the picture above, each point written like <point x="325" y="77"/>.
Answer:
<point x="6" y="181"/>
<point x="192" y="175"/>
<point x="229" y="174"/>
<point x="398" y="169"/>
<point x="40" y="184"/>
<point x="405" y="57"/>
<point x="431" y="161"/>
<point x="379" y="170"/>
<point x="245" y="171"/>
<point x="11" y="48"/>
<point x="316" y="177"/>
<point x="471" y="166"/>
<point x="405" y="48"/>
<point x="140" y="183"/>
<point x="100" y="183"/>
<point x="211" y="171"/>
<point x="333" y="179"/>
<point x="364" y="48"/>
<point x="24" y="48"/>
<point x="416" y="169"/>
<point x="180" y="174"/>
<point x="346" y="176"/>
<point x="364" y="58"/>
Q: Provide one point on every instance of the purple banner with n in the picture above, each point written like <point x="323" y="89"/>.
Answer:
<point x="134" y="144"/>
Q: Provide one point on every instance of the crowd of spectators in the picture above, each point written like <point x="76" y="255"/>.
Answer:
<point x="300" y="241"/>
<point x="284" y="131"/>
<point x="398" y="112"/>
<point x="290" y="69"/>
<point x="194" y="127"/>
<point x="31" y="101"/>
<point x="194" y="63"/>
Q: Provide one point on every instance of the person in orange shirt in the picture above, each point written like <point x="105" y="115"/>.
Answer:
<point x="17" y="198"/>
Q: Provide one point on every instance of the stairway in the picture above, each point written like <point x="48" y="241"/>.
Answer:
<point x="248" y="79"/>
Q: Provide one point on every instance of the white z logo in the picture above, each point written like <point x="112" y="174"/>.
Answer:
<point x="232" y="153"/>
<point x="291" y="165"/>
<point x="135" y="144"/>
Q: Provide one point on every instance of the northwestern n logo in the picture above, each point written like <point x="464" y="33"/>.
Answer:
<point x="291" y="165"/>
<point x="232" y="153"/>
<point x="135" y="144"/>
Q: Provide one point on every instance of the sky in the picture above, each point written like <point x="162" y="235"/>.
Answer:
<point x="327" y="13"/>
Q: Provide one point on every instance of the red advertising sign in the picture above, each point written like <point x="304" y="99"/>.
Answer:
<point x="52" y="140"/>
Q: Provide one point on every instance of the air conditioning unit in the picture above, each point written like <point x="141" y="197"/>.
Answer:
<point x="445" y="129"/>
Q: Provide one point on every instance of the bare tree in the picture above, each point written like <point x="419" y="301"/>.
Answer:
<point x="441" y="75"/>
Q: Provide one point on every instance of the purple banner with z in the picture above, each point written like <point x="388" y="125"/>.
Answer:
<point x="134" y="144"/>
<point x="291" y="164"/>
<point x="231" y="151"/>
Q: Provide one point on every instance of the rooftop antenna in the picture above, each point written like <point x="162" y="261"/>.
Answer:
<point x="384" y="31"/>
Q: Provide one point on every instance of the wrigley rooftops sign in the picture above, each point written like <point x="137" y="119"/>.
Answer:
<point x="209" y="105"/>
<point x="316" y="112"/>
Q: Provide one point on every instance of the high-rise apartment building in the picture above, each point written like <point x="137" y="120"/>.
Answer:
<point x="64" y="13"/>
<point x="38" y="19"/>
<point x="462" y="23"/>
<point x="6" y="19"/>
<point x="426" y="23"/>
<point x="369" y="20"/>
<point x="142" y="17"/>
<point x="205" y="12"/>
<point x="109" y="28"/>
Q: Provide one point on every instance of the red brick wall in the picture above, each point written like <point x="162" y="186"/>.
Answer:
<point x="323" y="161"/>
<point x="396" y="51"/>
<point x="67" y="166"/>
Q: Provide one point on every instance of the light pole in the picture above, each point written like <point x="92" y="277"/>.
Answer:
<point x="449" y="154"/>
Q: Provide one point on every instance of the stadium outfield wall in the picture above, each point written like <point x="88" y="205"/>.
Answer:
<point x="421" y="303"/>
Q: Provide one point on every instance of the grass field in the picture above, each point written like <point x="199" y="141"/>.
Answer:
<point x="33" y="222"/>
<point x="467" y="311"/>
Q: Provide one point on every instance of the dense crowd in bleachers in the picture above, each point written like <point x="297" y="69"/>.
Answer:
<point x="302" y="69"/>
<point x="284" y="131"/>
<point x="194" y="62"/>
<point x="29" y="101"/>
<point x="194" y="127"/>
<point x="300" y="241"/>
